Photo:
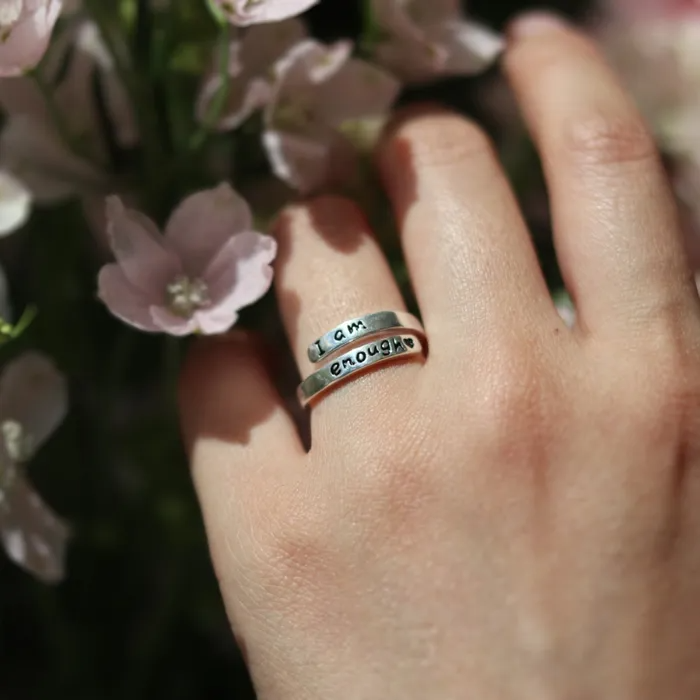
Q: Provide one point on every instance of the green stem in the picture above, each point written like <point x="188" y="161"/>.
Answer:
<point x="135" y="87"/>
<point x="117" y="49"/>
<point x="217" y="105"/>
<point x="371" y="30"/>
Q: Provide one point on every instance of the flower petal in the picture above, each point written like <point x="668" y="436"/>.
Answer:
<point x="239" y="276"/>
<point x="125" y="301"/>
<point x="25" y="41"/>
<point x="33" y="536"/>
<point x="217" y="320"/>
<point x="412" y="62"/>
<point x="33" y="393"/>
<point x="357" y="90"/>
<point x="429" y="38"/>
<point x="244" y="97"/>
<point x="245" y="12"/>
<point x="142" y="253"/>
<point x="392" y="16"/>
<point x="308" y="63"/>
<point x="470" y="47"/>
<point x="93" y="56"/>
<point x="299" y="160"/>
<point x="251" y="59"/>
<point x="168" y="322"/>
<point x="204" y="222"/>
<point x="241" y="273"/>
<point x="15" y="203"/>
<point x="34" y="153"/>
<point x="262" y="45"/>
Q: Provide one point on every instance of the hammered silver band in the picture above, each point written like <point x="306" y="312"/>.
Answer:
<point x="363" y="327"/>
<point x="358" y="360"/>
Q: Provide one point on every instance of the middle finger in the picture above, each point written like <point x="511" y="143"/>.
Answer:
<point x="472" y="262"/>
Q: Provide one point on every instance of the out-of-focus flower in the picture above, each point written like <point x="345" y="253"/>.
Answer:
<point x="655" y="46"/>
<point x="33" y="153"/>
<point x="317" y="90"/>
<point x="245" y="12"/>
<point x="638" y="9"/>
<point x="251" y="59"/>
<point x="32" y="147"/>
<point x="659" y="59"/>
<point x="91" y="56"/>
<point x="427" y="39"/>
<point x="208" y="266"/>
<point x="33" y="402"/>
<point x="15" y="203"/>
<point x="25" y="32"/>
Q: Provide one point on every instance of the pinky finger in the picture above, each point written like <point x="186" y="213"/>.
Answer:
<point x="238" y="434"/>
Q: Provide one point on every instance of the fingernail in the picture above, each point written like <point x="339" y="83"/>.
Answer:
<point x="536" y="23"/>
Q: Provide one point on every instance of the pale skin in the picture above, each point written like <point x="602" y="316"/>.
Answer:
<point x="518" y="517"/>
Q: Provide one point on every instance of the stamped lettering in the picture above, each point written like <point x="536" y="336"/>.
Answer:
<point x="319" y="348"/>
<point x="339" y="335"/>
<point x="356" y="327"/>
<point x="355" y="361"/>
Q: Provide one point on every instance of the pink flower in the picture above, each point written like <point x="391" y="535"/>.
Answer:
<point x="31" y="147"/>
<point x="250" y="66"/>
<point x="657" y="55"/>
<point x="430" y="38"/>
<point x="209" y="264"/>
<point x="25" y="31"/>
<point x="33" y="402"/>
<point x="317" y="90"/>
<point x="245" y="12"/>
<point x="655" y="47"/>
<point x="635" y="9"/>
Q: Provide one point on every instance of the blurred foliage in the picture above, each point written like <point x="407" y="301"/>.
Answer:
<point x="140" y="614"/>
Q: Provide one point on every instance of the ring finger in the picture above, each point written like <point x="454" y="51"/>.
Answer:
<point x="331" y="269"/>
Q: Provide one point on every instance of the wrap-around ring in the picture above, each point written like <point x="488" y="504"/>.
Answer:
<point x="357" y="360"/>
<point x="362" y="327"/>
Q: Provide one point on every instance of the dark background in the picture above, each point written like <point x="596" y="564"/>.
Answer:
<point x="139" y="615"/>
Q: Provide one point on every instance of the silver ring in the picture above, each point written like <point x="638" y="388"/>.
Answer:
<point x="357" y="360"/>
<point x="362" y="327"/>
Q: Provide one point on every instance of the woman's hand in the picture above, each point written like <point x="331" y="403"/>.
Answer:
<point x="519" y="516"/>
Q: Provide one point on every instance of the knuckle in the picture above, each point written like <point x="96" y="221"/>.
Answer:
<point x="675" y="381"/>
<point x="439" y="141"/>
<point x="517" y="401"/>
<point x="604" y="140"/>
<point x="290" y="539"/>
<point x="389" y="494"/>
<point x="660" y="388"/>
